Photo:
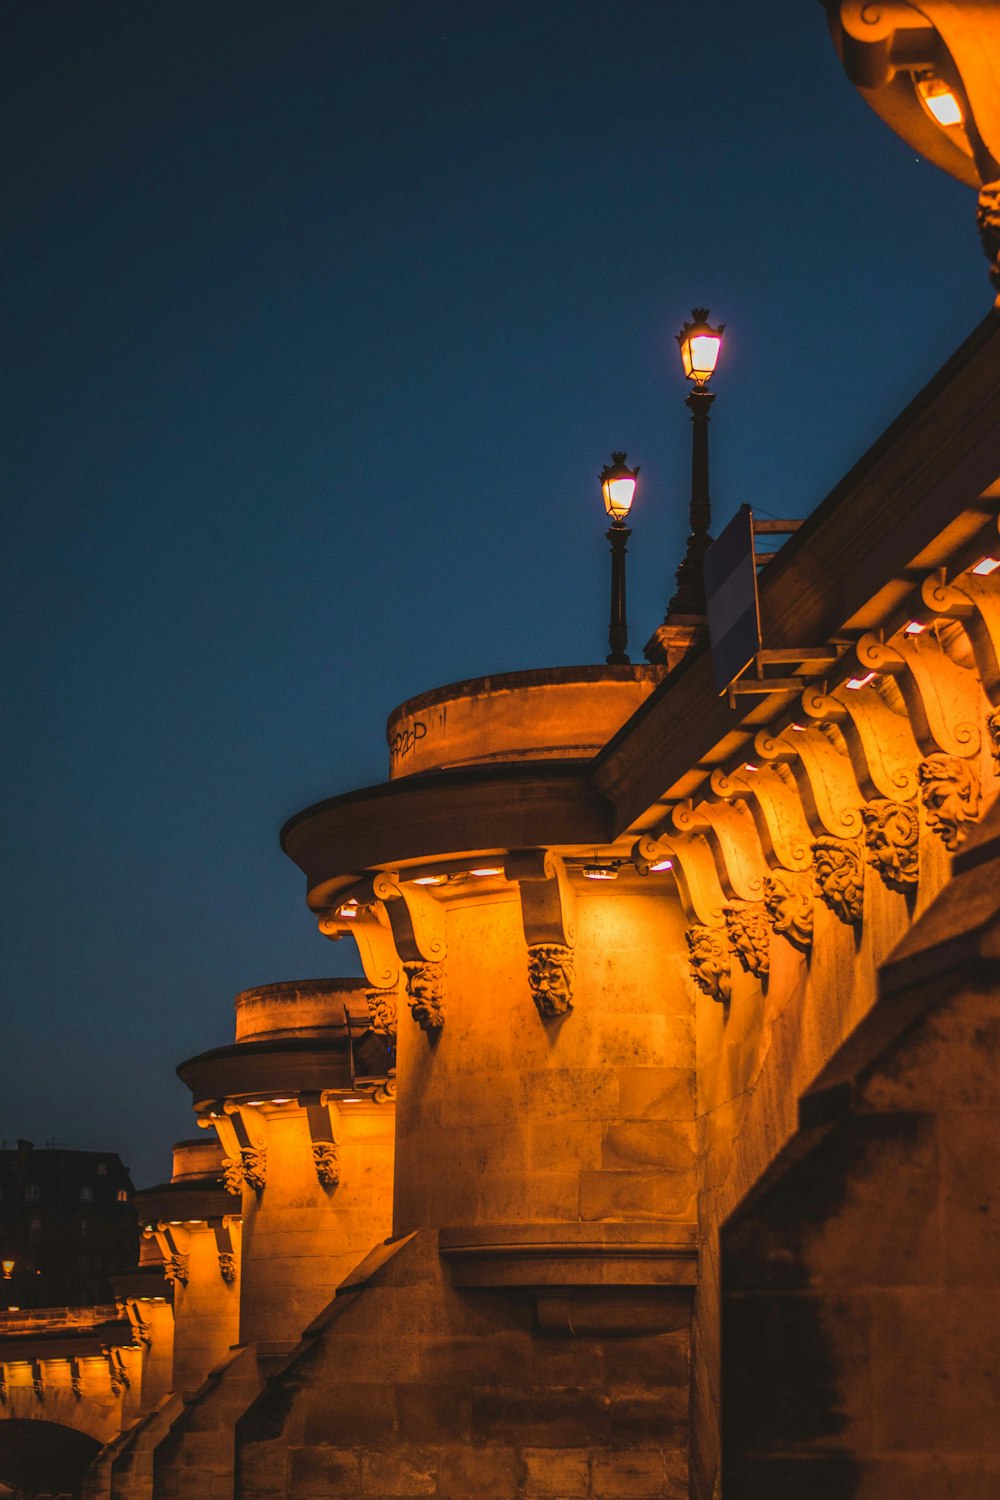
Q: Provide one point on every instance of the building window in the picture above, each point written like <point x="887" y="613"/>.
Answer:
<point x="102" y="1169"/>
<point x="122" y="1195"/>
<point x="32" y="1193"/>
<point x="86" y="1195"/>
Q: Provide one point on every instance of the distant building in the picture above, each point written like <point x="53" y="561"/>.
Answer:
<point x="66" y="1225"/>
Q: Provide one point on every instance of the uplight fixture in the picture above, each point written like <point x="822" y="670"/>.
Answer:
<point x="348" y="911"/>
<point x="431" y="880"/>
<point x="986" y="565"/>
<point x="661" y="864"/>
<point x="600" y="869"/>
<point x="485" y="870"/>
<point x="914" y="628"/>
<point x="700" y="344"/>
<point x="859" y="682"/>
<point x="939" y="101"/>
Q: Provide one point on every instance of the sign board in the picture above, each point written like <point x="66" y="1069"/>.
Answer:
<point x="731" y="594"/>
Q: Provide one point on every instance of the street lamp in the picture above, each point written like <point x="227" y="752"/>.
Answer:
<point x="618" y="489"/>
<point x="699" y="345"/>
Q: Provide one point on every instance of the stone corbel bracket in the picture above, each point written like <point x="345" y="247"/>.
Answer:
<point x="371" y="931"/>
<point x="823" y="775"/>
<point x="117" y="1373"/>
<point x="702" y="897"/>
<point x="975" y="601"/>
<point x="880" y="742"/>
<point x="728" y="829"/>
<point x="243" y="1133"/>
<point x="323" y="1120"/>
<point x="776" y="809"/>
<point x="225" y="1247"/>
<point x="417" y="925"/>
<point x="141" y="1336"/>
<point x="174" y="1242"/>
<point x="548" y="916"/>
<point x="942" y="698"/>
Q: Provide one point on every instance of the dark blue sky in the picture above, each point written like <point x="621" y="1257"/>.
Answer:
<point x="319" y="320"/>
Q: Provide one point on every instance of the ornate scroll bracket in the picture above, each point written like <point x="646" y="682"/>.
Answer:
<point x="840" y="877"/>
<point x="710" y="963"/>
<point x="950" y="792"/>
<point x="243" y="1133"/>
<point x="975" y="601"/>
<point x="892" y="834"/>
<point x="789" y="901"/>
<point x="174" y="1243"/>
<point x="225" y="1249"/>
<point x="323" y="1120"/>
<point x="702" y="897"/>
<point x="548" y="916"/>
<point x="879" y="740"/>
<point x="371" y="931"/>
<point x="823" y="775"/>
<point x="776" y="809"/>
<point x="385" y="1093"/>
<point x="942" y="698"/>
<point x="728" y="829"/>
<point x="416" y="919"/>
<point x="117" y="1373"/>
<point x="750" y="937"/>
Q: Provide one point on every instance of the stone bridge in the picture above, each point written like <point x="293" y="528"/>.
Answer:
<point x="69" y="1383"/>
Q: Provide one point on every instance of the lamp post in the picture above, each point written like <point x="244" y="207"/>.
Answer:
<point x="699" y="345"/>
<point x="618" y="489"/>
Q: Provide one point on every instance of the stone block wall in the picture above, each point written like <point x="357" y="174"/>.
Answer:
<point x="409" y="1387"/>
<point x="862" y="1280"/>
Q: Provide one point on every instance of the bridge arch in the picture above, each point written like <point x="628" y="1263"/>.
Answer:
<point x="39" y="1458"/>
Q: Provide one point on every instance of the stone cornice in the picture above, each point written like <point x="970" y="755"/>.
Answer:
<point x="284" y="1065"/>
<point x="444" y="813"/>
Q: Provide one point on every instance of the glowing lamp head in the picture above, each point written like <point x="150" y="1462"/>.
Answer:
<point x="700" y="344"/>
<point x="8" y="1269"/>
<point x="618" y="487"/>
<point x="939" y="101"/>
<point x="600" y="869"/>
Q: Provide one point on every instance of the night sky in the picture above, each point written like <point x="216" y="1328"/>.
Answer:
<point x="319" y="320"/>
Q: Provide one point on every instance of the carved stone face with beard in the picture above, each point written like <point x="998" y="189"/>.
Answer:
<point x="891" y="833"/>
<point x="840" y="877"/>
<point x="949" y="790"/>
<point x="550" y="976"/>
<point x="425" y="990"/>
<point x="710" y="962"/>
<point x="789" y="900"/>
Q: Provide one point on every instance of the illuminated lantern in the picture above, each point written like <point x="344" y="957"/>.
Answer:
<point x="618" y="487"/>
<point x="700" y="344"/>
